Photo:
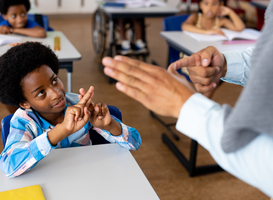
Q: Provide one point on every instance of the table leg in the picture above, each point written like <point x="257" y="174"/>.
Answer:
<point x="188" y="6"/>
<point x="69" y="67"/>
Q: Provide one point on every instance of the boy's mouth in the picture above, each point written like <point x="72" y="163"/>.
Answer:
<point x="60" y="103"/>
<point x="20" y="25"/>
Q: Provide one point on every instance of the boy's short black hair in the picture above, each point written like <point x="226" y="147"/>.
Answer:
<point x="19" y="61"/>
<point x="5" y="4"/>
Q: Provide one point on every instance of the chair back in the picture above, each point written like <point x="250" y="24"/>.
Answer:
<point x="173" y="23"/>
<point x="115" y="111"/>
<point x="5" y="124"/>
<point x="42" y="20"/>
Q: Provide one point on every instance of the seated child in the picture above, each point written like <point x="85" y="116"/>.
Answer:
<point x="140" y="46"/>
<point x="16" y="21"/>
<point x="49" y="118"/>
<point x="208" y="20"/>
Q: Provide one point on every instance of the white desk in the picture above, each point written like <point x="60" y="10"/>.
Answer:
<point x="104" y="172"/>
<point x="188" y="45"/>
<point x="66" y="55"/>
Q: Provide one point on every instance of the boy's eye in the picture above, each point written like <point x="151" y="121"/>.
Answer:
<point x="54" y="81"/>
<point x="23" y="14"/>
<point x="13" y="16"/>
<point x="40" y="93"/>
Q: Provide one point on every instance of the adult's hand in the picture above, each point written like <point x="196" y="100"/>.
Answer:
<point x="161" y="91"/>
<point x="205" y="68"/>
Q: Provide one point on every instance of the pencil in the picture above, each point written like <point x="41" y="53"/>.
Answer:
<point x="57" y="43"/>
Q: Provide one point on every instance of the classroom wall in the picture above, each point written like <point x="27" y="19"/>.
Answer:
<point x="83" y="6"/>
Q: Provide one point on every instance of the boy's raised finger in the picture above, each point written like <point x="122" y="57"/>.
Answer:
<point x="87" y="96"/>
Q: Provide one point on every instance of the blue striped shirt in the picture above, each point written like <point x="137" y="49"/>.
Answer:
<point x="27" y="142"/>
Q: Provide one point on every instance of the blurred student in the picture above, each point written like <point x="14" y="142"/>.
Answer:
<point x="211" y="18"/>
<point x="140" y="45"/>
<point x="15" y="17"/>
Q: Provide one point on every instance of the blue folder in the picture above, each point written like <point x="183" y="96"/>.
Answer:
<point x="114" y="4"/>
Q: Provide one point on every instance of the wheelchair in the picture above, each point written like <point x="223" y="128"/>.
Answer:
<point x="105" y="36"/>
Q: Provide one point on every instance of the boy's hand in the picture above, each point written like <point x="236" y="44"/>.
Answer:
<point x="100" y="117"/>
<point x="5" y="29"/>
<point x="78" y="115"/>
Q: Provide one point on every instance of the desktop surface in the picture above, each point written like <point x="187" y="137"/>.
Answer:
<point x="188" y="45"/>
<point x="67" y="53"/>
<point x="91" y="172"/>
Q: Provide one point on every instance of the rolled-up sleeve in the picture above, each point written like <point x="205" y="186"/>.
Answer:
<point x="203" y="120"/>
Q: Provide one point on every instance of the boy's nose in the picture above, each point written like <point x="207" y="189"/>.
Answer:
<point x="19" y="19"/>
<point x="55" y="93"/>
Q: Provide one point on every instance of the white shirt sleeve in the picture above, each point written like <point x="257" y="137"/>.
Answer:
<point x="203" y="120"/>
<point x="238" y="69"/>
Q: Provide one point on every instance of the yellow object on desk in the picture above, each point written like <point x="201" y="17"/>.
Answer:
<point x="33" y="192"/>
<point x="57" y="43"/>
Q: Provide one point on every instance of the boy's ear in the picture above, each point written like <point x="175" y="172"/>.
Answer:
<point x="25" y="105"/>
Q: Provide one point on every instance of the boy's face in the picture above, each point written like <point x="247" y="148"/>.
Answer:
<point x="44" y="92"/>
<point x="16" y="16"/>
<point x="210" y="8"/>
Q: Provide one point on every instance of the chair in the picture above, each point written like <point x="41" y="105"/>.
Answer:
<point x="173" y="23"/>
<point x="96" y="138"/>
<point x="42" y="20"/>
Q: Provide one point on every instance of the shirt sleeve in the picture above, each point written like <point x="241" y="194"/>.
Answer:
<point x="238" y="66"/>
<point x="203" y="120"/>
<point x="5" y="22"/>
<point x="25" y="146"/>
<point x="130" y="138"/>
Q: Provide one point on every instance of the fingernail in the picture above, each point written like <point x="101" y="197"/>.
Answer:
<point x="118" y="58"/>
<point x="214" y="85"/>
<point x="217" y="69"/>
<point x="108" y="70"/>
<point x="119" y="86"/>
<point x="106" y="61"/>
<point x="205" y="61"/>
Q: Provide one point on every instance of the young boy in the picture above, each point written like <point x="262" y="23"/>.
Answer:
<point x="15" y="14"/>
<point x="48" y="118"/>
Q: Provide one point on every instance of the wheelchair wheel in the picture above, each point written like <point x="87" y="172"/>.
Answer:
<point x="99" y="32"/>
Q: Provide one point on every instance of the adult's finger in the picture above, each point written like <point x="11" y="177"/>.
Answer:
<point x="131" y="75"/>
<point x="135" y="63"/>
<point x="193" y="60"/>
<point x="203" y="72"/>
<point x="205" y="88"/>
<point x="207" y="55"/>
<point x="133" y="71"/>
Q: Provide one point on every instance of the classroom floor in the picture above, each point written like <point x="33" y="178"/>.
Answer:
<point x="165" y="173"/>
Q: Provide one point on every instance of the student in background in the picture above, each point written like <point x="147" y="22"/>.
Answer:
<point x="140" y="46"/>
<point x="210" y="19"/>
<point x="49" y="118"/>
<point x="16" y="21"/>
